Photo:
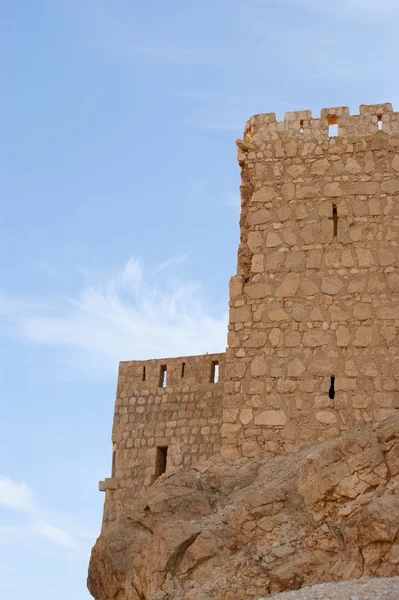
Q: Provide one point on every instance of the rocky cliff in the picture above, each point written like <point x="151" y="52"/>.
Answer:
<point x="250" y="528"/>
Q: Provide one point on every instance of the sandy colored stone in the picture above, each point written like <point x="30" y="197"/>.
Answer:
<point x="326" y="418"/>
<point x="289" y="286"/>
<point x="276" y="313"/>
<point x="259" y="366"/>
<point x="264" y="194"/>
<point x="343" y="336"/>
<point x="259" y="217"/>
<point x="316" y="338"/>
<point x="331" y="285"/>
<point x="366" y="188"/>
<point x="332" y="190"/>
<point x="271" y="418"/>
<point x="363" y="337"/>
<point x="257" y="340"/>
<point x="296" y="368"/>
<point x="246" y="416"/>
<point x="273" y="240"/>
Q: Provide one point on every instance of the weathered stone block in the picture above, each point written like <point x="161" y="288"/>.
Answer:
<point x="271" y="418"/>
<point x="259" y="366"/>
<point x="315" y="338"/>
<point x="326" y="418"/>
<point x="289" y="286"/>
<point x="296" y="368"/>
<point x="363" y="337"/>
<point x="331" y="285"/>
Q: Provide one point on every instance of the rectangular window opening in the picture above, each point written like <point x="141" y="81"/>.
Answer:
<point x="301" y="126"/>
<point x="335" y="219"/>
<point x="144" y="374"/>
<point x="163" y="376"/>
<point x="215" y="372"/>
<point x="333" y="130"/>
<point x="161" y="460"/>
<point x="379" y="124"/>
<point x="331" y="392"/>
<point x="183" y="366"/>
<point x="113" y="462"/>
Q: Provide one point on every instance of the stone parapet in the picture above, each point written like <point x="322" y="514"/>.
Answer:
<point x="302" y="125"/>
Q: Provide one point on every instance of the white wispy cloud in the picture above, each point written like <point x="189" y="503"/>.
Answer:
<point x="57" y="535"/>
<point x="20" y="496"/>
<point x="171" y="263"/>
<point x="130" y="315"/>
<point x="16" y="495"/>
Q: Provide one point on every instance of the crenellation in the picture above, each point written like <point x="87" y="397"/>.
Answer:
<point x="301" y="125"/>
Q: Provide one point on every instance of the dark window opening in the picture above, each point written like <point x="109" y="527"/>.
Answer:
<point x="301" y="126"/>
<point x="331" y="393"/>
<point x="379" y="124"/>
<point x="163" y="376"/>
<point x="215" y="372"/>
<point x="144" y="374"/>
<point x="333" y="126"/>
<point x="335" y="219"/>
<point x="161" y="460"/>
<point x="183" y="366"/>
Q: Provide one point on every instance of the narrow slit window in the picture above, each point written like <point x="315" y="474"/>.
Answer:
<point x="144" y="374"/>
<point x="183" y="367"/>
<point x="215" y="372"/>
<point x="113" y="462"/>
<point x="379" y="123"/>
<point x="333" y="130"/>
<point x="301" y="126"/>
<point x="161" y="460"/>
<point x="331" y="393"/>
<point x="335" y="219"/>
<point x="163" y="377"/>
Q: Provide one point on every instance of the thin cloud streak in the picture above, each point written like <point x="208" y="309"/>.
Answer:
<point x="16" y="495"/>
<point x="129" y="316"/>
<point x="171" y="263"/>
<point x="20" y="496"/>
<point x="58" y="536"/>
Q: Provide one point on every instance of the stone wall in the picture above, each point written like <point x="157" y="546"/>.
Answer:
<point x="316" y="295"/>
<point x="184" y="417"/>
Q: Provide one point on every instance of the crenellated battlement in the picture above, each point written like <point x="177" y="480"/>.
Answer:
<point x="171" y="374"/>
<point x="301" y="124"/>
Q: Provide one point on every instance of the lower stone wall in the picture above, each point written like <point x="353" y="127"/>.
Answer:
<point x="309" y="368"/>
<point x="184" y="416"/>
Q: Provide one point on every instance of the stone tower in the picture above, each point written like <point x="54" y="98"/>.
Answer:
<point x="314" y="308"/>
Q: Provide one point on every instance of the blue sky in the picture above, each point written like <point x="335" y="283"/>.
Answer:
<point x="119" y="194"/>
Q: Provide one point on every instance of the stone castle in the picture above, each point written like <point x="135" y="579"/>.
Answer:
<point x="314" y="308"/>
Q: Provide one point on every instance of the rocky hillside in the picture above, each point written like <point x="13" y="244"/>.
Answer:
<point x="235" y="530"/>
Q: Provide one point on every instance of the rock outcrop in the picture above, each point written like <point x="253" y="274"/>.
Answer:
<point x="250" y="528"/>
<point x="366" y="589"/>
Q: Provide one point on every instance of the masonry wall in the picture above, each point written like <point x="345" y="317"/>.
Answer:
<point x="317" y="288"/>
<point x="185" y="416"/>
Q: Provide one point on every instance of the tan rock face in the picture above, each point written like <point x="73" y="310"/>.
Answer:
<point x="253" y="527"/>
